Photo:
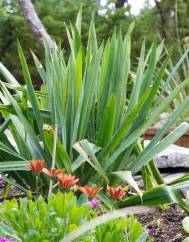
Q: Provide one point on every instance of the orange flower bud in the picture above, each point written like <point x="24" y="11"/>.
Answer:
<point x="53" y="172"/>
<point x="36" y="166"/>
<point x="67" y="181"/>
<point x="116" y="193"/>
<point x="90" y="191"/>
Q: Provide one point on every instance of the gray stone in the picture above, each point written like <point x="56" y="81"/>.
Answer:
<point x="173" y="156"/>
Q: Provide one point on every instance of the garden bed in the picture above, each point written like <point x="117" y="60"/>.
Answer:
<point x="165" y="225"/>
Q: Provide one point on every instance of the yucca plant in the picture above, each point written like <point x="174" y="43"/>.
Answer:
<point x="97" y="121"/>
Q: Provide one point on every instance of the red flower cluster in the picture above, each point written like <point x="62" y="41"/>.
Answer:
<point x="65" y="181"/>
<point x="115" y="193"/>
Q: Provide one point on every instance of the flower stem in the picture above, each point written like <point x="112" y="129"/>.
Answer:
<point x="53" y="157"/>
<point x="37" y="185"/>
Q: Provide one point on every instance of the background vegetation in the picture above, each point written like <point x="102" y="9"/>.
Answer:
<point x="152" y="23"/>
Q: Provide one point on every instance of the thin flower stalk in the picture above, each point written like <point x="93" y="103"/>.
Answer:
<point x="53" y="156"/>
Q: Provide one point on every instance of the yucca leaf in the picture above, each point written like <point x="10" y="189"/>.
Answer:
<point x="5" y="125"/>
<point x="13" y="165"/>
<point x="138" y="82"/>
<point x="141" y="129"/>
<point x="39" y="68"/>
<point x="81" y="159"/>
<point x="127" y="176"/>
<point x="156" y="196"/>
<point x="85" y="149"/>
<point x="62" y="158"/>
<point x="107" y="123"/>
<point x="10" y="151"/>
<point x="78" y="21"/>
<point x="8" y="76"/>
<point x="182" y="182"/>
<point x="33" y="98"/>
<point x="148" y="77"/>
<point x="145" y="157"/>
<point x="35" y="143"/>
<point x="174" y="70"/>
<point x="169" y="123"/>
<point x="124" y="128"/>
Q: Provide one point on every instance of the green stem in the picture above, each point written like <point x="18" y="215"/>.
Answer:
<point x="53" y="157"/>
<point x="150" y="173"/>
<point x="37" y="185"/>
<point x="156" y="173"/>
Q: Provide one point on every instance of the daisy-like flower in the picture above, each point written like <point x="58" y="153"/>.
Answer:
<point x="67" y="181"/>
<point x="116" y="193"/>
<point x="90" y="191"/>
<point x="53" y="172"/>
<point x="36" y="166"/>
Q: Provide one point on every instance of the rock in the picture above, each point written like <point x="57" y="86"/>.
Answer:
<point x="173" y="156"/>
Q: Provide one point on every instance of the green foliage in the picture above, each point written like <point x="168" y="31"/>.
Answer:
<point x="129" y="230"/>
<point x="114" y="230"/>
<point x="185" y="224"/>
<point x="53" y="14"/>
<point x="157" y="196"/>
<point x="27" y="220"/>
<point x="41" y="221"/>
<point x="100" y="120"/>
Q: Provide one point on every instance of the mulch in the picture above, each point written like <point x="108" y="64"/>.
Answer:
<point x="165" y="225"/>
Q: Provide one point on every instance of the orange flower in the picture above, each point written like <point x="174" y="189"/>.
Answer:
<point x="36" y="166"/>
<point x="90" y="191"/>
<point x="53" y="172"/>
<point x="116" y="193"/>
<point x="67" y="181"/>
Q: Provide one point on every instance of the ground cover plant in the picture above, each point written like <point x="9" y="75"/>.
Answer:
<point x="60" y="216"/>
<point x="84" y="126"/>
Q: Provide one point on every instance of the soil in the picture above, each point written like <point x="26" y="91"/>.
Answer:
<point x="165" y="225"/>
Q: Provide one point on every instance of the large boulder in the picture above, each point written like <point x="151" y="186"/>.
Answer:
<point x="173" y="156"/>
